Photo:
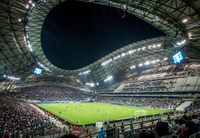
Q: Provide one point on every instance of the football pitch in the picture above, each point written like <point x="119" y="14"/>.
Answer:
<point x="90" y="113"/>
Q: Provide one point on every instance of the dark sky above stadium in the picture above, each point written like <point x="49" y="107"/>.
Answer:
<point x="76" y="34"/>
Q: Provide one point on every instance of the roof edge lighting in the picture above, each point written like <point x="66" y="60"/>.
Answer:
<point x="11" y="77"/>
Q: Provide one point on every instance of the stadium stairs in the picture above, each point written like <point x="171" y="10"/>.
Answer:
<point x="184" y="105"/>
<point x="120" y="88"/>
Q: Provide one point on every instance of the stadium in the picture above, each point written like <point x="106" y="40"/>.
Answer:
<point x="143" y="89"/>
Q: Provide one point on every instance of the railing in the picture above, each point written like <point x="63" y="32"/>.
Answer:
<point x="196" y="135"/>
<point x="127" y="129"/>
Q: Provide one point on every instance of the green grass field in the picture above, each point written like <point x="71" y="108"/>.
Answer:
<point x="89" y="113"/>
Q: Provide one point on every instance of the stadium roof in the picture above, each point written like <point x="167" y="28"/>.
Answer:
<point x="20" y="44"/>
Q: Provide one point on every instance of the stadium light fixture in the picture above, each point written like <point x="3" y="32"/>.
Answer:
<point x="154" y="46"/>
<point x="156" y="18"/>
<point x="153" y="61"/>
<point x="185" y="20"/>
<point x="165" y="59"/>
<point x="85" y="72"/>
<point x="140" y="65"/>
<point x="91" y="84"/>
<point x="27" y="6"/>
<point x="109" y="78"/>
<point x="159" y="45"/>
<point x="24" y="39"/>
<point x="41" y="65"/>
<point x="149" y="46"/>
<point x="117" y="57"/>
<point x="19" y="20"/>
<point x="147" y="63"/>
<point x="11" y="78"/>
<point x="29" y="47"/>
<point x="190" y="35"/>
<point x="27" y="36"/>
<point x="124" y="6"/>
<point x="181" y="42"/>
<point x="30" y="1"/>
<point x="143" y="48"/>
<point x="130" y="51"/>
<point x="103" y="64"/>
<point x="106" y="62"/>
<point x="133" y="67"/>
<point x="123" y="54"/>
<point x="77" y="80"/>
<point x="157" y="60"/>
<point x="26" y="27"/>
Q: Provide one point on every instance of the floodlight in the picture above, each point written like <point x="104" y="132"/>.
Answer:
<point x="190" y="35"/>
<point x="147" y="63"/>
<point x="133" y="67"/>
<point x="140" y="65"/>
<point x="181" y="43"/>
<point x="185" y="20"/>
<point x="109" y="78"/>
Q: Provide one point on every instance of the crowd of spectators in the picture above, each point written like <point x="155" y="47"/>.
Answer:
<point x="150" y="85"/>
<point x="159" y="79"/>
<point x="19" y="119"/>
<point x="50" y="93"/>
<point x="165" y="103"/>
<point x="182" y="127"/>
<point x="75" y="130"/>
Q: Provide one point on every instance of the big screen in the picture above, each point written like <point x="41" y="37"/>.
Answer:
<point x="37" y="71"/>
<point x="178" y="57"/>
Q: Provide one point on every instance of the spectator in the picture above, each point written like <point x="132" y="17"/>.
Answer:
<point x="86" y="135"/>
<point x="122" y="127"/>
<point x="190" y="128"/>
<point x="115" y="130"/>
<point x="163" y="130"/>
<point x="101" y="133"/>
<point x="146" y="134"/>
<point x="195" y="119"/>
<point x="131" y="125"/>
<point x="180" y="125"/>
<point x="109" y="131"/>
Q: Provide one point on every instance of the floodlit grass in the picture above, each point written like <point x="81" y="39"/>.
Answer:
<point x="89" y="113"/>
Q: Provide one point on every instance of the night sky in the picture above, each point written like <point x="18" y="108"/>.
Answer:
<point x="76" y="34"/>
